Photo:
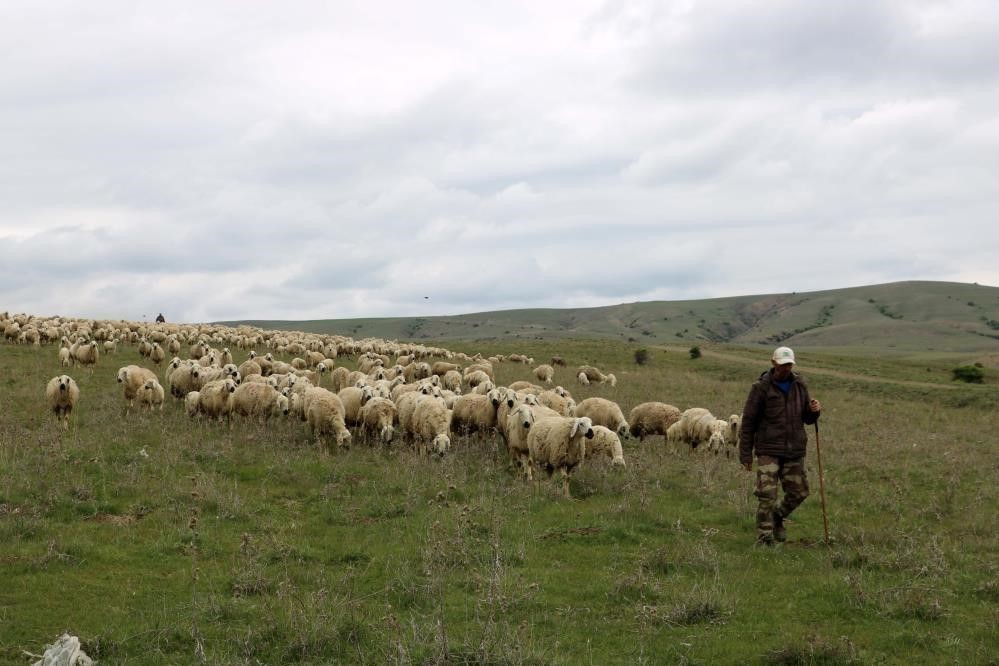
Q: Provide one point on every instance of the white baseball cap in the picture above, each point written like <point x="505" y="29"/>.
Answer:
<point x="783" y="356"/>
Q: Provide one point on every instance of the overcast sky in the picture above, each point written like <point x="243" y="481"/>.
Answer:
<point x="304" y="160"/>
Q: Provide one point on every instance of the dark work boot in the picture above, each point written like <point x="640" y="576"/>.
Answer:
<point x="780" y="533"/>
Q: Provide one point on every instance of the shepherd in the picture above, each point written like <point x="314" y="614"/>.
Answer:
<point x="773" y="425"/>
<point x="160" y="319"/>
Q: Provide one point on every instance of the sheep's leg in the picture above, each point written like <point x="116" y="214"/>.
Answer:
<point x="565" y="483"/>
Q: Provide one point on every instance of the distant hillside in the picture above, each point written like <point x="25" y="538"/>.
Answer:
<point x="932" y="316"/>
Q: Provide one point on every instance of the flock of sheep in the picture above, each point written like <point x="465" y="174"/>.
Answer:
<point x="396" y="392"/>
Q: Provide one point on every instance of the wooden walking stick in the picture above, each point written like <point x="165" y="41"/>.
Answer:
<point x="822" y="484"/>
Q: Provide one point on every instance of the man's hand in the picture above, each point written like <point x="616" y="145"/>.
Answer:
<point x="748" y="467"/>
<point x="815" y="405"/>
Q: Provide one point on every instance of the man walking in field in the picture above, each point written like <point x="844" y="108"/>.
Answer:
<point x="773" y="424"/>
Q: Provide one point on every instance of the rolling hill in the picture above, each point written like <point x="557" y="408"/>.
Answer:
<point x="903" y="316"/>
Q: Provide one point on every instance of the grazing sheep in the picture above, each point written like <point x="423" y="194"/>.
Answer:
<point x="151" y="394"/>
<point x="718" y="435"/>
<point x="583" y="379"/>
<point x="481" y="366"/>
<point x="526" y="387"/>
<point x="652" y="418"/>
<point x="432" y="426"/>
<point x="476" y="413"/>
<point x="157" y="354"/>
<point x="544" y="373"/>
<point x="215" y="396"/>
<point x="452" y="381"/>
<point x="483" y="388"/>
<point x="441" y="368"/>
<point x="604" y="412"/>
<point x="132" y="378"/>
<point x="85" y="353"/>
<point x="477" y="377"/>
<point x="697" y="426"/>
<point x="324" y="415"/>
<point x="249" y="367"/>
<point x="183" y="380"/>
<point x="605" y="443"/>
<point x="557" y="444"/>
<point x="191" y="400"/>
<point x="377" y="417"/>
<point x="338" y="379"/>
<point x="518" y="424"/>
<point x="564" y="406"/>
<point x="259" y="400"/>
<point x="63" y="394"/>
<point x="353" y="400"/>
<point x="558" y="360"/>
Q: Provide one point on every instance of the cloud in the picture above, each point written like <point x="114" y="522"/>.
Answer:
<point x="337" y="160"/>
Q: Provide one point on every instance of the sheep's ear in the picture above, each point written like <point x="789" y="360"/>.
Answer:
<point x="575" y="428"/>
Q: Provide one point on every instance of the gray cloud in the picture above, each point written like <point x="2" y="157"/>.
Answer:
<point x="328" y="160"/>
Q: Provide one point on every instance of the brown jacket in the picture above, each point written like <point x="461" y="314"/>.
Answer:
<point x="773" y="424"/>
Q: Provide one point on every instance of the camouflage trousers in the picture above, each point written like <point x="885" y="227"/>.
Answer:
<point x="790" y="473"/>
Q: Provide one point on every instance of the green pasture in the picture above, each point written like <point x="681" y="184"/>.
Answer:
<point x="164" y="540"/>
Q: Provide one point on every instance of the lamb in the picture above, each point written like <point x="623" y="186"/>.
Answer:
<point x="734" y="426"/>
<point x="718" y="433"/>
<point x="476" y="413"/>
<point x="63" y="394"/>
<point x="191" y="400"/>
<point x="110" y="347"/>
<point x="583" y="379"/>
<point x="432" y="426"/>
<point x="652" y="418"/>
<point x="132" y="378"/>
<point x="557" y="444"/>
<point x="65" y="359"/>
<point x="214" y="397"/>
<point x="592" y="374"/>
<point x="324" y="414"/>
<point x="604" y="412"/>
<point x="259" y="400"/>
<point x="377" y="417"/>
<point x="518" y="424"/>
<point x="483" y="388"/>
<point x="353" y="400"/>
<point x="544" y="373"/>
<point x="605" y="443"/>
<point x="151" y="394"/>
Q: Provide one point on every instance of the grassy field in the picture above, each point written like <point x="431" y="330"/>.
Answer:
<point x="162" y="540"/>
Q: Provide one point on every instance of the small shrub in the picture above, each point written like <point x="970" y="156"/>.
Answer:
<point x="641" y="356"/>
<point x="969" y="374"/>
<point x="695" y="352"/>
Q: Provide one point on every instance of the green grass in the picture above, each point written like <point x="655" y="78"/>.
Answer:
<point x="158" y="539"/>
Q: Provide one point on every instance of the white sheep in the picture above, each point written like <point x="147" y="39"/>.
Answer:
<point x="214" y="397"/>
<point x="353" y="400"/>
<point x="452" y="381"/>
<point x="65" y="359"/>
<point x="526" y="387"/>
<point x="151" y="394"/>
<point x="85" y="353"/>
<point x="432" y="426"/>
<point x="697" y="426"/>
<point x="324" y="414"/>
<point x="605" y="443"/>
<point x="259" y="400"/>
<point x="545" y="373"/>
<point x="518" y="424"/>
<point x="583" y="379"/>
<point x="377" y="417"/>
<point x="564" y="406"/>
<point x="476" y="413"/>
<point x="191" y="400"/>
<point x="483" y="388"/>
<point x="63" y="394"/>
<point x="652" y="418"/>
<point x="557" y="444"/>
<point x="132" y="378"/>
<point x="477" y="377"/>
<point x="604" y="412"/>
